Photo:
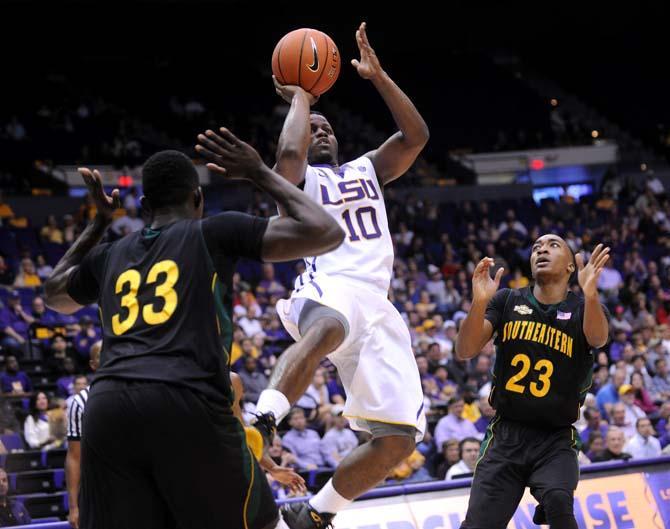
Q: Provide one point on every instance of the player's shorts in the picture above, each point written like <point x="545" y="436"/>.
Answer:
<point x="514" y="456"/>
<point x="157" y="456"/>
<point x="375" y="361"/>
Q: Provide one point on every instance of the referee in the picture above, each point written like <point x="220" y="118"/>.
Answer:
<point x="75" y="415"/>
<point x="543" y="335"/>
<point x="161" y="447"/>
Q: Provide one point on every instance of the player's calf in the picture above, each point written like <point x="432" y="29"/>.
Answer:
<point x="558" y="505"/>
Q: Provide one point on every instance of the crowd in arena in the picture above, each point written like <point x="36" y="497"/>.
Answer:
<point x="626" y="413"/>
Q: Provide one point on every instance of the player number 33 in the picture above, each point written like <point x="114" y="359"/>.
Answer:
<point x="545" y="369"/>
<point x="150" y="314"/>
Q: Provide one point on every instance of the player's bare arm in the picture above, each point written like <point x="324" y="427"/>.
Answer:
<point x="293" y="144"/>
<point x="476" y="330"/>
<point x="596" y="327"/>
<point x="306" y="229"/>
<point x="73" y="477"/>
<point x="55" y="288"/>
<point x="397" y="154"/>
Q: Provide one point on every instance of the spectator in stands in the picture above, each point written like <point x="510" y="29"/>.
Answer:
<point x="69" y="229"/>
<point x="316" y="402"/>
<point x="9" y="424"/>
<point x="59" y="351"/>
<point x="610" y="282"/>
<point x="595" y="445"/>
<point x="450" y="455"/>
<point x="487" y="413"/>
<point x="41" y="313"/>
<point x="453" y="426"/>
<point x="127" y="224"/>
<point x="619" y="323"/>
<point x="661" y="381"/>
<point x="5" y="209"/>
<point x="50" y="232"/>
<point x="618" y="344"/>
<point x="27" y="276"/>
<point x="269" y="286"/>
<point x="65" y="384"/>
<point x="512" y="226"/>
<point x="608" y="395"/>
<point x="633" y="412"/>
<point x="643" y="444"/>
<point x="6" y="272"/>
<point x="303" y="442"/>
<point x="468" y="453"/>
<point x="254" y="381"/>
<point x="339" y="440"/>
<point x="614" y="443"/>
<point x="12" y="512"/>
<point x="44" y="269"/>
<point x="619" y="420"/>
<point x="14" y="381"/>
<point x="594" y="423"/>
<point x="14" y="322"/>
<point x="410" y="470"/>
<point x="250" y="323"/>
<point x="85" y="338"/>
<point x="642" y="398"/>
<point x="36" y="427"/>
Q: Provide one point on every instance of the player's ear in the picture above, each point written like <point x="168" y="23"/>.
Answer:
<point x="146" y="205"/>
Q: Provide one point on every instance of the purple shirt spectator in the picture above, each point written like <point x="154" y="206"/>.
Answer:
<point x="65" y="386"/>
<point x="15" y="383"/>
<point x="453" y="426"/>
<point x="303" y="442"/>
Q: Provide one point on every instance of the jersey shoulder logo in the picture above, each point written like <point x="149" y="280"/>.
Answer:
<point x="524" y="310"/>
<point x="315" y="65"/>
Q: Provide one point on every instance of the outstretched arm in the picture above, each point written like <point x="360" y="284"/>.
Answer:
<point x="397" y="154"/>
<point x="55" y="288"/>
<point x="294" y="139"/>
<point x="596" y="326"/>
<point x="306" y="229"/>
<point x="475" y="329"/>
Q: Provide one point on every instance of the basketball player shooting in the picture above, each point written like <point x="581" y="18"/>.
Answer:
<point x="339" y="307"/>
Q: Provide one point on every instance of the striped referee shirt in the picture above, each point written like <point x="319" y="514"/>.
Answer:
<point x="75" y="414"/>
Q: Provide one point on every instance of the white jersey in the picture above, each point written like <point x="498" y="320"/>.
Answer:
<point x="354" y="198"/>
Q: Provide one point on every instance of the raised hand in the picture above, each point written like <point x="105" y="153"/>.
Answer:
<point x="288" y="91"/>
<point x="368" y="67"/>
<point x="483" y="287"/>
<point x="228" y="155"/>
<point x="588" y="274"/>
<point x="288" y="476"/>
<point x="104" y="203"/>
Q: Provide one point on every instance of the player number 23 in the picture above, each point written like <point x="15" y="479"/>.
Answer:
<point x="545" y="367"/>
<point x="150" y="314"/>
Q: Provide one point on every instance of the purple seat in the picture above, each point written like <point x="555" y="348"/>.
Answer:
<point x="12" y="441"/>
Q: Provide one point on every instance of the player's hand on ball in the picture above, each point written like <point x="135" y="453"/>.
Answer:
<point x="483" y="287"/>
<point x="287" y="92"/>
<point x="588" y="274"/>
<point x="368" y="67"/>
<point x="288" y="476"/>
<point x="104" y="203"/>
<point x="227" y="155"/>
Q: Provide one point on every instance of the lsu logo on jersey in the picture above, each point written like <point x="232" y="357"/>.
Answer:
<point x="349" y="191"/>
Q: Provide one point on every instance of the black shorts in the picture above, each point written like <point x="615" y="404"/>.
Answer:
<point x="514" y="456"/>
<point x="156" y="455"/>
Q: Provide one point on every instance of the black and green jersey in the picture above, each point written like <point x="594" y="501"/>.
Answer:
<point x="544" y="364"/>
<point x="165" y="298"/>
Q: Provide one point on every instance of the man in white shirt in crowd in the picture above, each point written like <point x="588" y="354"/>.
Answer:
<point x="619" y="420"/>
<point x="643" y="444"/>
<point x="633" y="411"/>
<point x="469" y="452"/>
<point x="339" y="440"/>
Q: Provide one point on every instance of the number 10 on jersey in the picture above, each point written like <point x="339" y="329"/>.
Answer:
<point x="366" y="220"/>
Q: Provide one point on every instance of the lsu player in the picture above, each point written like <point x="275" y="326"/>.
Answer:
<point x="339" y="307"/>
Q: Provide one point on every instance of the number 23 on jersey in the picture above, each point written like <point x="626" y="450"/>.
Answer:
<point x="150" y="313"/>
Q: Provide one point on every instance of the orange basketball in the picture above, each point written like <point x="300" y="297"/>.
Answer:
<point x="307" y="58"/>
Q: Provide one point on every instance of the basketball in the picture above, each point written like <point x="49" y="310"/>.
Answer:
<point x="307" y="58"/>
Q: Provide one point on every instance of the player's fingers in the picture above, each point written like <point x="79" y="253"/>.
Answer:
<point x="499" y="275"/>
<point x="596" y="253"/>
<point x="116" y="199"/>
<point x="579" y="259"/>
<point x="217" y="169"/>
<point x="209" y="155"/>
<point x="211" y="144"/>
<point x="219" y="139"/>
<point x="230" y="137"/>
<point x="355" y="63"/>
<point x="602" y="260"/>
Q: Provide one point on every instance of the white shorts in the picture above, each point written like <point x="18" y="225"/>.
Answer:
<point x="375" y="362"/>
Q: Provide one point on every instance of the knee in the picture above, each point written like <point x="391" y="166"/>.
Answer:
<point x="557" y="503"/>
<point x="395" y="447"/>
<point x="328" y="333"/>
